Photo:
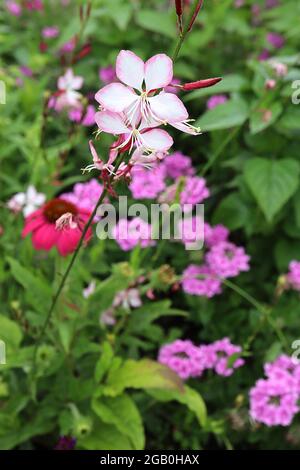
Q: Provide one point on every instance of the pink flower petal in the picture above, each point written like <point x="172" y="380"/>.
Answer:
<point x="32" y="224"/>
<point x="110" y="122"/>
<point x="115" y="97"/>
<point x="157" y="139"/>
<point x="130" y="69"/>
<point x="168" y="107"/>
<point x="45" y="237"/>
<point x="158" y="71"/>
<point x="67" y="241"/>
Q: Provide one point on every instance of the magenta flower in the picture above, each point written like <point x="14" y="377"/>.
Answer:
<point x="273" y="402"/>
<point x="194" y="191"/>
<point x="293" y="276"/>
<point x="218" y="356"/>
<point x="216" y="100"/>
<point x="129" y="234"/>
<point x="13" y="7"/>
<point x="276" y="40"/>
<point x="147" y="184"/>
<point x="214" y="235"/>
<point x="227" y="260"/>
<point x="177" y="165"/>
<point x="183" y="357"/>
<point x="34" y="5"/>
<point x="201" y="281"/>
<point x="50" y="32"/>
<point x="107" y="74"/>
<point x="58" y="223"/>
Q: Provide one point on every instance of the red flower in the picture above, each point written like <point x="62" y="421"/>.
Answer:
<point x="58" y="223"/>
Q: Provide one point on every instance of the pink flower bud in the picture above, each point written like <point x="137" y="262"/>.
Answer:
<point x="201" y="84"/>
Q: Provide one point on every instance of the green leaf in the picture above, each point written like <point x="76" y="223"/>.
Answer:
<point x="232" y="212"/>
<point x="143" y="374"/>
<point x="230" y="114"/>
<point x="104" y="361"/>
<point x="189" y="397"/>
<point x="10" y="332"/>
<point x="157" y="22"/>
<point x="105" y="437"/>
<point x="272" y="183"/>
<point x="260" y="120"/>
<point x="36" y="288"/>
<point x="122" y="412"/>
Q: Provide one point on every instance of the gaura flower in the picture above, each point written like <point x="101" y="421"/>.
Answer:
<point x="26" y="202"/>
<point x="58" y="223"/>
<point x="141" y="94"/>
<point x="149" y="139"/>
<point x="68" y="85"/>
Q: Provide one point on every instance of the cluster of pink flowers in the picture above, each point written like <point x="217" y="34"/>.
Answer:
<point x="130" y="233"/>
<point x="189" y="360"/>
<point x="274" y="400"/>
<point x="16" y="8"/>
<point x="176" y="168"/>
<point x="293" y="276"/>
<point x="223" y="259"/>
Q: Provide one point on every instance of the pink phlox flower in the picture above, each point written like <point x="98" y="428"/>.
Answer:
<point x="177" y="165"/>
<point x="14" y="8"/>
<point x="129" y="234"/>
<point x="293" y="276"/>
<point x="50" y="32"/>
<point x="227" y="260"/>
<point x="216" y="100"/>
<point x="147" y="184"/>
<point x="219" y="354"/>
<point x="183" y="357"/>
<point x="214" y="235"/>
<point x="194" y="191"/>
<point x="201" y="281"/>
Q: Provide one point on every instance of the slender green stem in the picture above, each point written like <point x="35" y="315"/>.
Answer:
<point x="219" y="150"/>
<point x="262" y="309"/>
<point x="185" y="31"/>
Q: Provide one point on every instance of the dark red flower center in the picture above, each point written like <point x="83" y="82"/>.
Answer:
<point x="54" y="209"/>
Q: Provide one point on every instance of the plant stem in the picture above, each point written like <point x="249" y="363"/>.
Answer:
<point x="219" y="150"/>
<point x="65" y="276"/>
<point x="262" y="309"/>
<point x="185" y="31"/>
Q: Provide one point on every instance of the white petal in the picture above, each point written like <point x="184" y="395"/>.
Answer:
<point x="158" y="72"/>
<point x="130" y="69"/>
<point x="168" y="107"/>
<point x="157" y="139"/>
<point x="115" y="97"/>
<point x="182" y="126"/>
<point x="111" y="122"/>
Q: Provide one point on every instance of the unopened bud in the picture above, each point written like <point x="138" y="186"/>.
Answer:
<point x="201" y="84"/>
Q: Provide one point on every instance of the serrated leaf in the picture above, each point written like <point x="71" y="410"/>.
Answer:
<point x="272" y="183"/>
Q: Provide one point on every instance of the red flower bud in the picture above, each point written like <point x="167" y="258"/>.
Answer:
<point x="201" y="84"/>
<point x="178" y="7"/>
<point x="197" y="9"/>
